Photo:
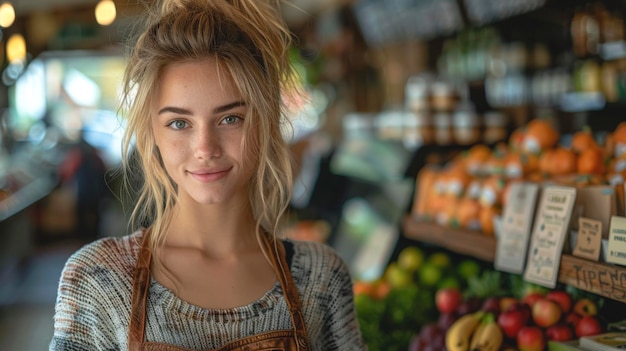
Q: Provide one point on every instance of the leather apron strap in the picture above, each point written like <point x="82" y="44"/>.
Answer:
<point x="276" y="252"/>
<point x="141" y="282"/>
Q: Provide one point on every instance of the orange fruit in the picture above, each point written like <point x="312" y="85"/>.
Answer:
<point x="467" y="213"/>
<point x="487" y="213"/>
<point x="361" y="287"/>
<point x="591" y="161"/>
<point x="583" y="140"/>
<point x="564" y="161"/>
<point x="540" y="135"/>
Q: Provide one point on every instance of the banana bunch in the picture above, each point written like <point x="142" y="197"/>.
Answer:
<point x="476" y="331"/>
<point x="488" y="336"/>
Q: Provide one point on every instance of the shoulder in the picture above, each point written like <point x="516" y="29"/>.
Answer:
<point x="103" y="260"/>
<point x="314" y="259"/>
<point x="94" y="295"/>
<point x="111" y="251"/>
<point x="313" y="250"/>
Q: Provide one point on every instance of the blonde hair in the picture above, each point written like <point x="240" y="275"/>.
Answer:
<point x="251" y="42"/>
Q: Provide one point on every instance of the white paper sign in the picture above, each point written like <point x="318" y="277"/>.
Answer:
<point x="616" y="250"/>
<point x="548" y="236"/>
<point x="517" y="219"/>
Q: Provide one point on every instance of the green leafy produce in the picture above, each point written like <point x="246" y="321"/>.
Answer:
<point x="390" y="323"/>
<point x="489" y="283"/>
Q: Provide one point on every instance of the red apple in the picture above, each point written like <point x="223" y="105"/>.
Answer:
<point x="585" y="307"/>
<point x="448" y="300"/>
<point x="511" y="321"/>
<point x="563" y="298"/>
<point x="560" y="332"/>
<point x="589" y="325"/>
<point x="532" y="297"/>
<point x="546" y="312"/>
<point x="506" y="302"/>
<point x="522" y="306"/>
<point x="572" y="318"/>
<point x="531" y="338"/>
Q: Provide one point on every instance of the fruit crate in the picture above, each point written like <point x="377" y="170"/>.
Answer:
<point x="600" y="278"/>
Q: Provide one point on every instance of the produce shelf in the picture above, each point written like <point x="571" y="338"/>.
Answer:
<point x="466" y="242"/>
<point x="600" y="278"/>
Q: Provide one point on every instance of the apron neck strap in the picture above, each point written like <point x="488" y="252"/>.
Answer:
<point x="141" y="282"/>
<point x="276" y="251"/>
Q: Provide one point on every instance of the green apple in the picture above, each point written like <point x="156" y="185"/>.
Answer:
<point x="430" y="274"/>
<point x="440" y="259"/>
<point x="397" y="276"/>
<point x="468" y="269"/>
<point x="410" y="258"/>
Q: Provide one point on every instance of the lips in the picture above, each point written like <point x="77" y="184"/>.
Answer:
<point x="209" y="175"/>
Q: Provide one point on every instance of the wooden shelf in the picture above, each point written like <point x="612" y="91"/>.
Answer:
<point x="600" y="278"/>
<point x="465" y="242"/>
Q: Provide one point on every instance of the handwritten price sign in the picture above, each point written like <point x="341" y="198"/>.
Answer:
<point x="548" y="236"/>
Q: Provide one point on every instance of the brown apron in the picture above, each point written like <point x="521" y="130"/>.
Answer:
<point x="293" y="339"/>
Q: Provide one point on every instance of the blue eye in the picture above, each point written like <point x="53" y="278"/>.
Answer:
<point x="177" y="124"/>
<point x="231" y="119"/>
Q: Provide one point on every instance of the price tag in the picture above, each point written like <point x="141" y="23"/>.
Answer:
<point x="616" y="250"/>
<point x="589" y="239"/>
<point x="597" y="202"/>
<point x="517" y="219"/>
<point x="548" y="236"/>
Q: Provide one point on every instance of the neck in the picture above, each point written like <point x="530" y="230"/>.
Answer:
<point x="215" y="229"/>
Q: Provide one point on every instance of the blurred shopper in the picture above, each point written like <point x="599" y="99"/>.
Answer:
<point x="82" y="172"/>
<point x="203" y="87"/>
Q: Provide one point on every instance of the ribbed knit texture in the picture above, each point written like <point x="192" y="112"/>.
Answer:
<point x="93" y="304"/>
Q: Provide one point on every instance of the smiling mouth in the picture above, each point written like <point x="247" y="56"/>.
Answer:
<point x="209" y="176"/>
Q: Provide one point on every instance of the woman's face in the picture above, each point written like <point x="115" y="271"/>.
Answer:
<point x="198" y="123"/>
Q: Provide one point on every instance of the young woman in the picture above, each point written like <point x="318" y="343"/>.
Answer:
<point x="203" y="91"/>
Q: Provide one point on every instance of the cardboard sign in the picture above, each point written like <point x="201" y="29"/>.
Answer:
<point x="515" y="229"/>
<point x="616" y="251"/>
<point x="596" y="202"/>
<point x="589" y="239"/>
<point x="549" y="232"/>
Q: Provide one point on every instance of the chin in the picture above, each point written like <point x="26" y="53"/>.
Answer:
<point x="209" y="200"/>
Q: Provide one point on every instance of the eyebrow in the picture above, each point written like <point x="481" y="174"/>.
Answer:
<point x="219" y="109"/>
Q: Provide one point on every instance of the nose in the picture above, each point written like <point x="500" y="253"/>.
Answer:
<point x="207" y="144"/>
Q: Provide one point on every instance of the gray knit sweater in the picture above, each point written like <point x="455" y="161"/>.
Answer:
<point x="93" y="303"/>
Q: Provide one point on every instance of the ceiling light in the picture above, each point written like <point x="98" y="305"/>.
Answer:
<point x="16" y="48"/>
<point x="105" y="12"/>
<point x="7" y="15"/>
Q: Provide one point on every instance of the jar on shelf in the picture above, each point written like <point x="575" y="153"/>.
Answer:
<point x="442" y="122"/>
<point x="495" y="123"/>
<point x="390" y="125"/>
<point x="466" y="124"/>
<point x="442" y="96"/>
<point x="417" y="92"/>
<point x="418" y="129"/>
